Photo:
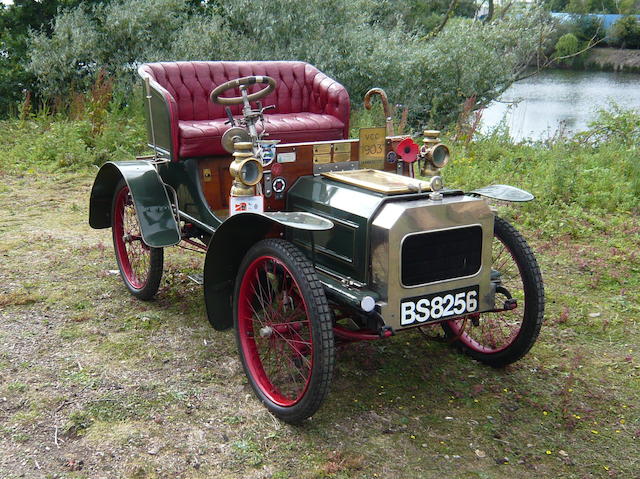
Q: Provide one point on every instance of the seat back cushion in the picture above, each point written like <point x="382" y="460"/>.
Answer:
<point x="191" y="83"/>
<point x="301" y="88"/>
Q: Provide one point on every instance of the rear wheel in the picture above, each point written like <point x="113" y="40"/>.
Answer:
<point x="501" y="338"/>
<point x="140" y="265"/>
<point x="283" y="330"/>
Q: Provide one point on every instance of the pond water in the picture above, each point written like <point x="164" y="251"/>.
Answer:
<point x="560" y="99"/>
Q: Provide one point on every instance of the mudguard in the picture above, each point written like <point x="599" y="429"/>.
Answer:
<point x="503" y="193"/>
<point x="153" y="207"/>
<point x="230" y="243"/>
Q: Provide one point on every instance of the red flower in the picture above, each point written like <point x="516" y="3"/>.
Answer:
<point x="408" y="150"/>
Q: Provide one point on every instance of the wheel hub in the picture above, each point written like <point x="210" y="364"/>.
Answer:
<point x="266" y="332"/>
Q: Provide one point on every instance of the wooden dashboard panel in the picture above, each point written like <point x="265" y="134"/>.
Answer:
<point x="292" y="161"/>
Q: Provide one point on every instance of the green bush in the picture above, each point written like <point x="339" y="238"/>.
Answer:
<point x="626" y="32"/>
<point x="432" y="76"/>
<point x="597" y="171"/>
<point x="614" y="125"/>
<point x="567" y="45"/>
<point x="55" y="143"/>
<point x="588" y="29"/>
<point x="592" y="6"/>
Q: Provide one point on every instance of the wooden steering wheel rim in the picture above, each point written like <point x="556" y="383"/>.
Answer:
<point x="250" y="80"/>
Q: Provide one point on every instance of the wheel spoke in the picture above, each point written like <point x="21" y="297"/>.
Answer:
<point x="281" y="360"/>
<point x="134" y="257"/>
<point x="496" y="332"/>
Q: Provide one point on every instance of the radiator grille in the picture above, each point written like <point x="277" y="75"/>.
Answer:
<point x="440" y="255"/>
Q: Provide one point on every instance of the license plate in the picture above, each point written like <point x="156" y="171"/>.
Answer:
<point x="438" y="306"/>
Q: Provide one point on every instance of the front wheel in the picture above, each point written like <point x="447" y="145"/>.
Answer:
<point x="283" y="330"/>
<point x="140" y="265"/>
<point x="501" y="338"/>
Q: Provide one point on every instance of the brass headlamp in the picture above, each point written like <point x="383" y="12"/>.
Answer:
<point x="436" y="153"/>
<point x="245" y="169"/>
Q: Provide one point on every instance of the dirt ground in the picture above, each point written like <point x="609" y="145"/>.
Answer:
<point x="95" y="384"/>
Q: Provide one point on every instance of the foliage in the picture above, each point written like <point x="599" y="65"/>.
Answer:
<point x="16" y="21"/>
<point x="420" y="16"/>
<point x="629" y="7"/>
<point x="567" y="45"/>
<point x="54" y="142"/>
<point x="110" y="37"/>
<point x="614" y="125"/>
<point x="624" y="7"/>
<point x="592" y="6"/>
<point x="67" y="56"/>
<point x="356" y="44"/>
<point x="626" y="32"/>
<point x="580" y="170"/>
<point x="475" y="59"/>
<point x="555" y="5"/>
<point x="587" y="28"/>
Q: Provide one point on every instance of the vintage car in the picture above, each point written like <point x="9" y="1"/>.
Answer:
<point x="311" y="238"/>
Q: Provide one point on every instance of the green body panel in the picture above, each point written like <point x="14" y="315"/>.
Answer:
<point x="344" y="248"/>
<point x="154" y="210"/>
<point x="184" y="177"/>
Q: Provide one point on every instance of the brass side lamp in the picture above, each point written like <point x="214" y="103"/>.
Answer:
<point x="245" y="169"/>
<point x="436" y="153"/>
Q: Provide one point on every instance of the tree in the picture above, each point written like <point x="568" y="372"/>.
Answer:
<point x="351" y="40"/>
<point x="555" y="5"/>
<point x="588" y="28"/>
<point x="626" y="32"/>
<point x="592" y="6"/>
<point x="567" y="46"/>
<point x="16" y="21"/>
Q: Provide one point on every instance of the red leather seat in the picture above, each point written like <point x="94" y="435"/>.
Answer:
<point x="310" y="106"/>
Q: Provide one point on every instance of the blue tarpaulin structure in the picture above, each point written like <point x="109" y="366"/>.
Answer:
<point x="607" y="19"/>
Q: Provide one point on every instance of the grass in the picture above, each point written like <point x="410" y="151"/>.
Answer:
<point x="96" y="384"/>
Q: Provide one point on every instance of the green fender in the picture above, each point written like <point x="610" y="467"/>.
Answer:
<point x="231" y="242"/>
<point x="153" y="207"/>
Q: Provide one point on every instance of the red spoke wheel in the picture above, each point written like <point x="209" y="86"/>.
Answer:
<point x="140" y="265"/>
<point x="283" y="330"/>
<point x="501" y="338"/>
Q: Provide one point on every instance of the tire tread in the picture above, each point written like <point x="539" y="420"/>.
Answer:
<point x="532" y="323"/>
<point x="320" y="383"/>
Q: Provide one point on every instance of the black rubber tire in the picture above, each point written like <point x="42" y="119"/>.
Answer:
<point x="531" y="317"/>
<point x="318" y="317"/>
<point x="149" y="282"/>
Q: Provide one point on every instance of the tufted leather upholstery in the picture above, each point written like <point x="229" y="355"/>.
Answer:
<point x="310" y="106"/>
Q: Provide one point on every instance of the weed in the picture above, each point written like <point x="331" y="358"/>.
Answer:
<point x="71" y="333"/>
<point x="248" y="451"/>
<point x="78" y="423"/>
<point x="18" y="298"/>
<point x="21" y="437"/>
<point x="17" y="386"/>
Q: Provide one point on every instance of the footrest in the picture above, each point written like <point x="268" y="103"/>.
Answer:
<point x="196" y="278"/>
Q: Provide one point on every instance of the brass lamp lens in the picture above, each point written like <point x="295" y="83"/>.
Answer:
<point x="439" y="155"/>
<point x="251" y="172"/>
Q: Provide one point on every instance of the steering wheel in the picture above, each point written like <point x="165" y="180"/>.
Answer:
<point x="220" y="89"/>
